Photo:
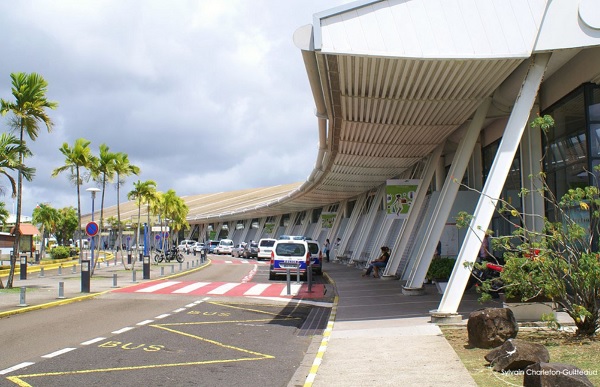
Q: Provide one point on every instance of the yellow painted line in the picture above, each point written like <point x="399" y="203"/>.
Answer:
<point x="229" y="321"/>
<point x="17" y="378"/>
<point x="218" y="344"/>
<point x="312" y="374"/>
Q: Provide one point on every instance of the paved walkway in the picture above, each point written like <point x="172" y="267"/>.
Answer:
<point x="379" y="337"/>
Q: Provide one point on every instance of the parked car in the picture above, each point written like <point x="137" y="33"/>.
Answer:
<point x="290" y="254"/>
<point x="225" y="246"/>
<point x="198" y="247"/>
<point x="251" y="250"/>
<point x="211" y="246"/>
<point x="265" y="246"/>
<point x="186" y="245"/>
<point x="238" y="250"/>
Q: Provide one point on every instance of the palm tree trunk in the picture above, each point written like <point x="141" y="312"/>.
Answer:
<point x="13" y="259"/>
<point x="79" y="216"/>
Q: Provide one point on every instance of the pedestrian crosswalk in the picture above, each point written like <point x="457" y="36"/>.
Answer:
<point x="230" y="289"/>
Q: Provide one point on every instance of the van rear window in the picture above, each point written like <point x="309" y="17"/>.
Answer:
<point x="290" y="250"/>
<point x="267" y="243"/>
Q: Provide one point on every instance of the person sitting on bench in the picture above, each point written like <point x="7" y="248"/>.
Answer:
<point x="380" y="262"/>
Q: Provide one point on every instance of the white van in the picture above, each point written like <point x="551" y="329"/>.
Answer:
<point x="225" y="246"/>
<point x="265" y="246"/>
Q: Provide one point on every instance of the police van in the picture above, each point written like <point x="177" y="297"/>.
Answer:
<point x="293" y="253"/>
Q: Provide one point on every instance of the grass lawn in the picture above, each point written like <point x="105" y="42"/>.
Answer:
<point x="563" y="347"/>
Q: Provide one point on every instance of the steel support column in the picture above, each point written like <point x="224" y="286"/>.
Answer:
<point x="493" y="185"/>
<point x="447" y="196"/>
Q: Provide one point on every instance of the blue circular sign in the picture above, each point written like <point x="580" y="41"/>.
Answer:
<point x="92" y="229"/>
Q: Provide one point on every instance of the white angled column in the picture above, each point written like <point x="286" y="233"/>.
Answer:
<point x="448" y="193"/>
<point x="493" y="187"/>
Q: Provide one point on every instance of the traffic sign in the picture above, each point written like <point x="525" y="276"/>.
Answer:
<point x="91" y="229"/>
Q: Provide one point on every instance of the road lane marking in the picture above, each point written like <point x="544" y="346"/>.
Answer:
<point x="163" y="315"/>
<point x="158" y="286"/>
<point x="191" y="287"/>
<point x="92" y="341"/>
<point x="122" y="330"/>
<point x="256" y="290"/>
<point x="57" y="353"/>
<point x="144" y="322"/>
<point x="179" y="310"/>
<point x="16" y="367"/>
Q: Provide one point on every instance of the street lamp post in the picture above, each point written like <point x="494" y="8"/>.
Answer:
<point x="93" y="191"/>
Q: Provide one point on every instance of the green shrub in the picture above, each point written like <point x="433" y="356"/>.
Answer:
<point x="60" y="252"/>
<point x="441" y="269"/>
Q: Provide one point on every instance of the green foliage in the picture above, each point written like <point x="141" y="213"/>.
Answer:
<point x="66" y="225"/>
<point x="441" y="268"/>
<point x="60" y="252"/>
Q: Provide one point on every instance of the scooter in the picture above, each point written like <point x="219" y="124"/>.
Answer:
<point x="490" y="271"/>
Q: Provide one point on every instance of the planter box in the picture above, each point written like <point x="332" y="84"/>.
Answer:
<point x="441" y="286"/>
<point x="530" y="311"/>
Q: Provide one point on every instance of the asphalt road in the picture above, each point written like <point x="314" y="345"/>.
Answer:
<point x="145" y="339"/>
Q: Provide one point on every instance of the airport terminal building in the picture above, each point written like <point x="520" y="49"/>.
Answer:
<point x="416" y="101"/>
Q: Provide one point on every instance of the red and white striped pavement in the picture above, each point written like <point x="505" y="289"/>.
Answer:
<point x="230" y="289"/>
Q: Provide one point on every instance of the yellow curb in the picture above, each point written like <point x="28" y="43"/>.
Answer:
<point x="51" y="304"/>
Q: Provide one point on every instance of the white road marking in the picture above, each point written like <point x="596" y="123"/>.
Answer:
<point x="145" y="322"/>
<point x="122" y="330"/>
<point x="294" y="288"/>
<point x="92" y="341"/>
<point x="16" y="367"/>
<point x="191" y="287"/>
<point x="256" y="290"/>
<point x="158" y="286"/>
<point x="59" y="352"/>
<point x="224" y="288"/>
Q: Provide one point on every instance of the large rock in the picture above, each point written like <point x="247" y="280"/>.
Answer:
<point x="555" y="375"/>
<point x="491" y="327"/>
<point x="517" y="354"/>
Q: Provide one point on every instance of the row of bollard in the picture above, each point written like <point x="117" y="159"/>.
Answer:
<point x="61" y="285"/>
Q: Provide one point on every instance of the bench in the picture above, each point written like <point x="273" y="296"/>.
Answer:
<point x="344" y="257"/>
<point x="363" y="260"/>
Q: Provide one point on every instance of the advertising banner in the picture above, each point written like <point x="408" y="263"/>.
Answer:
<point x="399" y="196"/>
<point x="327" y="219"/>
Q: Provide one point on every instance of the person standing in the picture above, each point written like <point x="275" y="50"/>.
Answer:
<point x="326" y="248"/>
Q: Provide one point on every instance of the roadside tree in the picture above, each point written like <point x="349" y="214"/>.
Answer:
<point x="76" y="157"/>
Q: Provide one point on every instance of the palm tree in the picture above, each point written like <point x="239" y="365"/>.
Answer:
<point x="103" y="171"/>
<point x="76" y="157"/>
<point x="28" y="110"/>
<point x="141" y="193"/>
<point x="11" y="150"/>
<point x="174" y="208"/>
<point x="122" y="168"/>
<point x="48" y="217"/>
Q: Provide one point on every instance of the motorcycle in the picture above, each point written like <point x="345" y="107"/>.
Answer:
<point x="171" y="254"/>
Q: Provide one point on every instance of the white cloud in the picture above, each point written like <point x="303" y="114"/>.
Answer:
<point x="204" y="96"/>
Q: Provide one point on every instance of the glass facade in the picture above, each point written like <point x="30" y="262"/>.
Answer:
<point x="572" y="147"/>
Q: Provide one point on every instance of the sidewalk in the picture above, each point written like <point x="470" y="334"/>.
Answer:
<point x="379" y="337"/>
<point x="43" y="292"/>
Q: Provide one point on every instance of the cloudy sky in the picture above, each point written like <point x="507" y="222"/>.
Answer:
<point x="204" y="96"/>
